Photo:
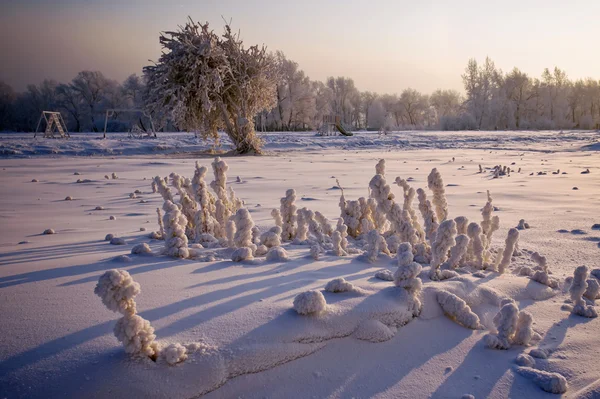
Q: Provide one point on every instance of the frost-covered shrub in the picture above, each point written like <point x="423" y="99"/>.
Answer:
<point x="49" y="231"/>
<point x="489" y="224"/>
<point x="409" y="196"/>
<point x="288" y="215"/>
<point x="457" y="310"/>
<point x="375" y="244"/>
<point x="436" y="185"/>
<point x="339" y="285"/>
<point x="302" y="227"/>
<point x="176" y="242"/>
<point x="230" y="233"/>
<point x="161" y="226"/>
<point x="261" y="250"/>
<point x="310" y="302"/>
<point x="577" y="289"/>
<point x="141" y="249"/>
<point x="406" y="276"/>
<point x="506" y="324"/>
<point x="277" y="254"/>
<point x="549" y="382"/>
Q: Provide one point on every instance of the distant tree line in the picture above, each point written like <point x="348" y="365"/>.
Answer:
<point x="492" y="100"/>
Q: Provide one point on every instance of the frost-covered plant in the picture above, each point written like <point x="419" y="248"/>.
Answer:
<point x="230" y="230"/>
<point x="541" y="274"/>
<point x="475" y="248"/>
<point x="310" y="302"/>
<point x="276" y="215"/>
<point x="462" y="223"/>
<point x="204" y="220"/>
<point x="524" y="331"/>
<point x="174" y="353"/>
<point x="315" y="251"/>
<point x="445" y="239"/>
<point x="141" y="249"/>
<point x="436" y="185"/>
<point x="506" y="324"/>
<point x="385" y="275"/>
<point x="509" y="248"/>
<point x="457" y="310"/>
<point x="382" y="193"/>
<point x="288" y="215"/>
<point x="207" y="82"/>
<point x="176" y="242"/>
<point x="409" y="196"/>
<point x="375" y="244"/>
<point x="277" y="254"/>
<point x="339" y="285"/>
<point x="241" y="254"/>
<point x="324" y="224"/>
<point x="163" y="189"/>
<point x="117" y="290"/>
<point x="219" y="185"/>
<point x="272" y="237"/>
<point x="577" y="289"/>
<point x="593" y="290"/>
<point x="243" y="228"/>
<point x="549" y="382"/>
<point x="406" y="276"/>
<point x="380" y="167"/>
<point x="429" y="218"/>
<point x="302" y="226"/>
<point x="337" y="240"/>
<point x="457" y="252"/>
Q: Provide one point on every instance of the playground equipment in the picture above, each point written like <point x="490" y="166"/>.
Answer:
<point x="54" y="124"/>
<point x="135" y="132"/>
<point x="331" y="124"/>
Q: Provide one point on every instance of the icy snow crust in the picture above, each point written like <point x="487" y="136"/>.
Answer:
<point x="220" y="322"/>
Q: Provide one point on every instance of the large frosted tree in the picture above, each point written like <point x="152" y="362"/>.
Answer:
<point x="212" y="82"/>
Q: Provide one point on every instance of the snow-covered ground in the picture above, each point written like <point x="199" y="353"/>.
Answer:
<point x="21" y="145"/>
<point x="56" y="337"/>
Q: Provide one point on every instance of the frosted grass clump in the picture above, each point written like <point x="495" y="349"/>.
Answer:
<point x="444" y="240"/>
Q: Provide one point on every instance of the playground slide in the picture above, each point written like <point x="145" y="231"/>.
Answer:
<point x="343" y="131"/>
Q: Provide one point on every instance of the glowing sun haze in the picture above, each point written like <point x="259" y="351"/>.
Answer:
<point x="384" y="45"/>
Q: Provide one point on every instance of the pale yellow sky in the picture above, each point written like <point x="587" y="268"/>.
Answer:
<point x="384" y="45"/>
